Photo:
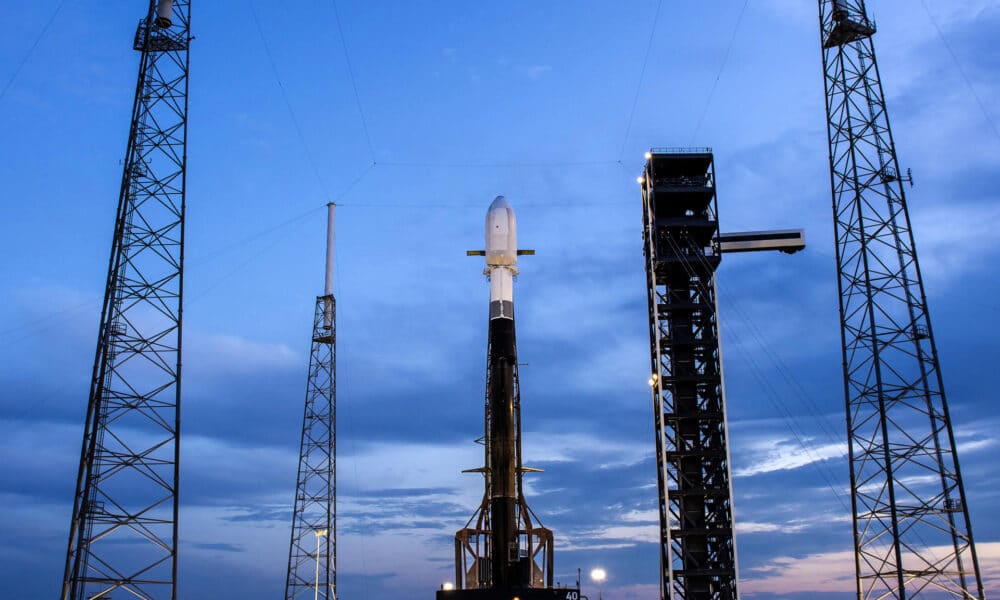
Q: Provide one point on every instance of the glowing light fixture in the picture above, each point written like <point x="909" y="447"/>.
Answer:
<point x="599" y="575"/>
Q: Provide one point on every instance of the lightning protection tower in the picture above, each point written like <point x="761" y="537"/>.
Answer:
<point x="123" y="535"/>
<point x="912" y="533"/>
<point x="312" y="554"/>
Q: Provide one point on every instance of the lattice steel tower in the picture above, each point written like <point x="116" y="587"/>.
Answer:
<point x="681" y="247"/>
<point x="912" y="533"/>
<point x="312" y="554"/>
<point x="123" y="536"/>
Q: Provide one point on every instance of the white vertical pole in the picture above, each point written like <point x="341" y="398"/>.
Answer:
<point x="164" y="12"/>
<point x="317" y="564"/>
<point x="328" y="290"/>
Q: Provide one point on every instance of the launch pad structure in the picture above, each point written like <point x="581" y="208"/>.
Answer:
<point x="910" y="538"/>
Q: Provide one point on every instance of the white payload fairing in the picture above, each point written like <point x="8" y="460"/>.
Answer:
<point x="501" y="257"/>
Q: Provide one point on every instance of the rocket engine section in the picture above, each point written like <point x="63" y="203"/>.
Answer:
<point x="503" y="552"/>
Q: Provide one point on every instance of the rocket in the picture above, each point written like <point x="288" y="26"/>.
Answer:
<point x="503" y="444"/>
<point x="507" y="553"/>
<point x="503" y="429"/>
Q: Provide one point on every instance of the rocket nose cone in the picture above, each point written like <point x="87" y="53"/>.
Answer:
<point x="500" y="202"/>
<point x="501" y="233"/>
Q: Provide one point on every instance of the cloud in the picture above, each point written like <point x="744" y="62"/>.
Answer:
<point x="783" y="454"/>
<point x="818" y="522"/>
<point x="535" y="72"/>
<point x="947" y="234"/>
<point x="596" y="451"/>
<point x="633" y="592"/>
<point x="834" y="572"/>
<point x="825" y="572"/>
<point x="640" y="516"/>
<point x="630" y="534"/>
<point x="747" y="527"/>
<point x="232" y="354"/>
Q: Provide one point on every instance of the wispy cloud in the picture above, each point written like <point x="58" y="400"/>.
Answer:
<point x="630" y="533"/>
<point x="826" y="572"/>
<point x="634" y="591"/>
<point x="834" y="571"/>
<point x="782" y="454"/>
<point x="594" y="450"/>
<point x="747" y="527"/>
<point x="535" y="72"/>
<point x="946" y="234"/>
<point x="235" y="354"/>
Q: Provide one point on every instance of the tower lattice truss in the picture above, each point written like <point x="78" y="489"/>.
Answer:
<point x="312" y="557"/>
<point x="123" y="535"/>
<point x="911" y="525"/>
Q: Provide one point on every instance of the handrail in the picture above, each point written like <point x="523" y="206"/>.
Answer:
<point x="678" y="150"/>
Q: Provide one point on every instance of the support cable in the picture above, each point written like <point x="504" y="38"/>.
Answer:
<point x="284" y="96"/>
<point x="786" y="373"/>
<point x="31" y="50"/>
<point x="642" y="75"/>
<point x="770" y="392"/>
<point x="290" y="221"/>
<point x="722" y="67"/>
<point x="354" y="83"/>
<point x="210" y="256"/>
<point x="47" y="322"/>
<point x="791" y="423"/>
<point x="349" y="414"/>
<point x="499" y="165"/>
<point x="961" y="71"/>
<point x="57" y="318"/>
<point x="255" y="236"/>
<point x="218" y="281"/>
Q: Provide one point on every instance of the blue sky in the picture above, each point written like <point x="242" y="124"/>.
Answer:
<point x="463" y="102"/>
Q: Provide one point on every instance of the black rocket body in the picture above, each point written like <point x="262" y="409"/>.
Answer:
<point x="503" y="454"/>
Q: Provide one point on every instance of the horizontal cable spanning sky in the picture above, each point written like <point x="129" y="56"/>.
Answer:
<point x="413" y="118"/>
